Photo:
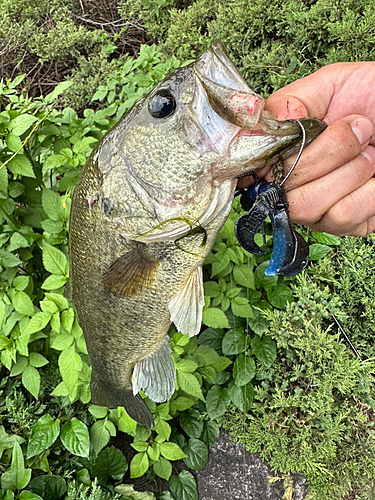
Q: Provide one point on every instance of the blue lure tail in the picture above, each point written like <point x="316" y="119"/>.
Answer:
<point x="290" y="250"/>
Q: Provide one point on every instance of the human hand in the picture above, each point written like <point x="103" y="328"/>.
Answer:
<point x="332" y="189"/>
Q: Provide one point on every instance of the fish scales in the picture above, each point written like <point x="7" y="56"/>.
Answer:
<point x="146" y="211"/>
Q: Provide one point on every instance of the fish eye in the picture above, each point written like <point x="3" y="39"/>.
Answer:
<point x="162" y="104"/>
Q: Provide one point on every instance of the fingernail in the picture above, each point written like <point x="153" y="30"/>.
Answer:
<point x="369" y="154"/>
<point x="362" y="129"/>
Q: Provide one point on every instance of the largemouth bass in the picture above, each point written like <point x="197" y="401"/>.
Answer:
<point x="146" y="212"/>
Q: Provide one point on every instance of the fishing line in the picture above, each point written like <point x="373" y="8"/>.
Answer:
<point x="299" y="154"/>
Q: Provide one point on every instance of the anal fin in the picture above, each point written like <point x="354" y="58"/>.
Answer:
<point x="131" y="273"/>
<point x="156" y="374"/>
<point x="186" y="308"/>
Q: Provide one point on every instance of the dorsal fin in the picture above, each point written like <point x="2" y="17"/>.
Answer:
<point x="130" y="274"/>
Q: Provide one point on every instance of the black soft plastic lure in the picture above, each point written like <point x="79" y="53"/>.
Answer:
<point x="290" y="254"/>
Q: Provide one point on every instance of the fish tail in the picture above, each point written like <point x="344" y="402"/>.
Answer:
<point x="112" y="397"/>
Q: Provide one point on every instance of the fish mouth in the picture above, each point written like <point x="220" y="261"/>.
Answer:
<point x="249" y="136"/>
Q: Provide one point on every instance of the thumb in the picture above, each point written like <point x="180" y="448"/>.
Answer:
<point x="285" y="107"/>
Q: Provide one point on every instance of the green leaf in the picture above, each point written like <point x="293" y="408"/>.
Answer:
<point x="261" y="280"/>
<point x="98" y="411"/>
<point x="23" y="304"/>
<point x="54" y="282"/>
<point x="37" y="360"/>
<point x="17" y="477"/>
<point x="243" y="370"/>
<point x="21" y="123"/>
<point x="75" y="437"/>
<point x="139" y="445"/>
<point x="189" y="384"/>
<point x="28" y="495"/>
<point x="43" y="434"/>
<point x="20" y="283"/>
<point x="214" y="318"/>
<point x="139" y="465"/>
<point x="58" y="90"/>
<point x="48" y="486"/>
<point x="8" y="259"/>
<point x="3" y="179"/>
<point x="326" y="239"/>
<point x="197" y="454"/>
<point x="21" y="165"/>
<point x="210" y="432"/>
<point x="37" y="322"/>
<point x="264" y="349"/>
<point x="317" y="251"/>
<point x="31" y="380"/>
<point x="186" y="365"/>
<point x="242" y="397"/>
<point x="99" y="435"/>
<point x="163" y="468"/>
<point x="70" y="364"/>
<point x="192" y="423"/>
<point x="128" y="493"/>
<point x="52" y="205"/>
<point x="243" y="275"/>
<point x="163" y="429"/>
<point x="211" y="289"/>
<point x="13" y="142"/>
<point x="241" y="307"/>
<point x="17" y="241"/>
<point x="54" y="260"/>
<point x="234" y="342"/>
<point x="259" y="323"/>
<point x="279" y="296"/>
<point x="217" y="401"/>
<point x="7" y="440"/>
<point x="171" y="451"/>
<point x="183" y="486"/>
<point x="110" y="463"/>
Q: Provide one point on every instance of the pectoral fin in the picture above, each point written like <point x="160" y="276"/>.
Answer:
<point x="290" y="251"/>
<point x="156" y="375"/>
<point x="186" y="307"/>
<point x="131" y="273"/>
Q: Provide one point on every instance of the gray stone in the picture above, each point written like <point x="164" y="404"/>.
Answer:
<point x="232" y="473"/>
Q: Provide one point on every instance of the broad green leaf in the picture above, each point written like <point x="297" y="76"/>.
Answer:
<point x="21" y="165"/>
<point x="52" y="204"/>
<point x="234" y="342"/>
<point x="214" y="318"/>
<point x="3" y="178"/>
<point x="43" y="434"/>
<point x="163" y="468"/>
<point x="317" y="251"/>
<point x="110" y="463"/>
<point x="210" y="433"/>
<point x="28" y="495"/>
<point x="264" y="349"/>
<point x="217" y="401"/>
<point x="31" y="380"/>
<point x="261" y="280"/>
<point x="163" y="429"/>
<point x="241" y="307"/>
<point x="182" y="403"/>
<point x="139" y="465"/>
<point x="243" y="275"/>
<point x="37" y="360"/>
<point x="326" y="239"/>
<point x="54" y="260"/>
<point x="192" y="423"/>
<point x="128" y="493"/>
<point x="189" y="384"/>
<point x="20" y="366"/>
<point x="37" y="322"/>
<point x="98" y="411"/>
<point x="20" y="283"/>
<point x="8" y="259"/>
<point x="13" y="142"/>
<point x="61" y="341"/>
<point x="16" y="477"/>
<point x="183" y="486"/>
<point x="23" y="304"/>
<point x="125" y="423"/>
<point x="211" y="289"/>
<point x="211" y="337"/>
<point x="70" y="364"/>
<point x="197" y="454"/>
<point x="171" y="451"/>
<point x="17" y="241"/>
<point x="21" y="123"/>
<point x="99" y="435"/>
<point x="279" y="296"/>
<point x="139" y="445"/>
<point x="242" y="397"/>
<point x="54" y="282"/>
<point x="259" y="323"/>
<point x="58" y="90"/>
<point x="48" y="486"/>
<point x="186" y="365"/>
<point x="7" y="440"/>
<point x="243" y="370"/>
<point x="75" y="437"/>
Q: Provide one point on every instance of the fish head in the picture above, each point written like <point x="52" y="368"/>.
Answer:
<point x="171" y="164"/>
